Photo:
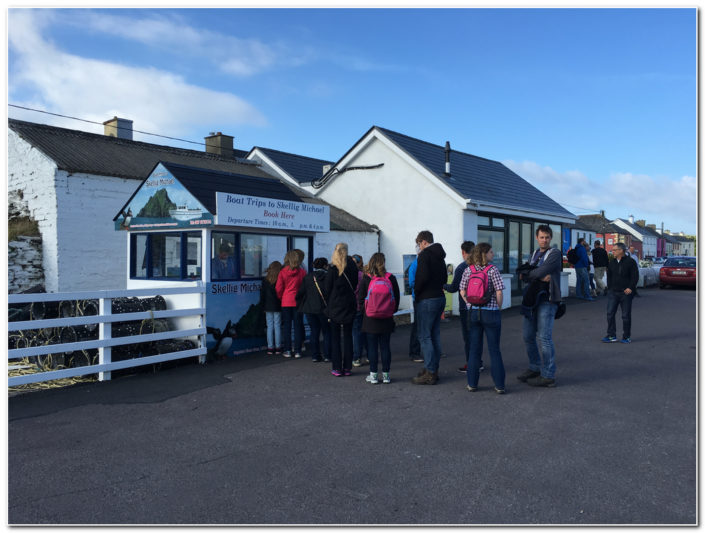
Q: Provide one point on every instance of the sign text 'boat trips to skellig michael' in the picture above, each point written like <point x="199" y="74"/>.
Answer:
<point x="270" y="213"/>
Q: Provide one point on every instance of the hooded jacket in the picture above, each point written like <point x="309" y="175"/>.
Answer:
<point x="342" y="302"/>
<point x="288" y="284"/>
<point x="431" y="273"/>
<point x="308" y="297"/>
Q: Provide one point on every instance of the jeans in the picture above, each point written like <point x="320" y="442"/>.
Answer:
<point x="341" y="361"/>
<point x="599" y="274"/>
<point x="428" y="313"/>
<point x="615" y="299"/>
<point x="380" y="340"/>
<point x="319" y="324"/>
<point x="582" y="284"/>
<point x="414" y="345"/>
<point x="488" y="322"/>
<point x="291" y="315"/>
<point x="358" y="336"/>
<point x="465" y="327"/>
<point x="274" y="329"/>
<point x="542" y="356"/>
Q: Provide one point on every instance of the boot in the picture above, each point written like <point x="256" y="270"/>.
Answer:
<point x="427" y="378"/>
<point x="420" y="378"/>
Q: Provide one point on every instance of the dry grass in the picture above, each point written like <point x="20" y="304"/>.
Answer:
<point x="22" y="226"/>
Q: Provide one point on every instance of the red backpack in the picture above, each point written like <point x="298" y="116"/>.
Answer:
<point x="478" y="291"/>
<point x="379" y="302"/>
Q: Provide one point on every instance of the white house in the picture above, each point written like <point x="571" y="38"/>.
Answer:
<point x="405" y="185"/>
<point x="644" y="234"/>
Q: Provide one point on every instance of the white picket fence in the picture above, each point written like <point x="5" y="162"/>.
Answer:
<point x="105" y="318"/>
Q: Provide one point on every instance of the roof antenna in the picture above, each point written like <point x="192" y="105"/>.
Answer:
<point x="447" y="172"/>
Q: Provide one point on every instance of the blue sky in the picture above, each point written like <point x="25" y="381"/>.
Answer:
<point x="595" y="107"/>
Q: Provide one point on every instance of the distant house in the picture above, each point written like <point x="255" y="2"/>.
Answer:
<point x="72" y="183"/>
<point x="406" y="185"/>
<point x="687" y="244"/>
<point x="606" y="232"/>
<point x="577" y="231"/>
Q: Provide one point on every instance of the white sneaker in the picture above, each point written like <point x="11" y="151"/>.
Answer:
<point x="386" y="378"/>
<point x="297" y="356"/>
<point x="287" y="354"/>
<point x="372" y="378"/>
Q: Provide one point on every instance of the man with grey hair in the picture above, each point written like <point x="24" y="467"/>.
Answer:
<point x="622" y="277"/>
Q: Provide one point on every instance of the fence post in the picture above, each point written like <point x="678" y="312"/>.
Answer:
<point x="105" y="330"/>
<point x="202" y="338"/>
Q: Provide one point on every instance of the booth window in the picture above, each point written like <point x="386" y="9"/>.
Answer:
<point x="258" y="251"/>
<point x="173" y="256"/>
<point x="223" y="265"/>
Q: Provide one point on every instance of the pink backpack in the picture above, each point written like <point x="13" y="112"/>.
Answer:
<point x="379" y="302"/>
<point x="478" y="291"/>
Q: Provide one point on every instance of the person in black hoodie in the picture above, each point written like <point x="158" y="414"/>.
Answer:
<point x="622" y="277"/>
<point x="340" y="284"/>
<point x="431" y="276"/>
<point x="311" y="302"/>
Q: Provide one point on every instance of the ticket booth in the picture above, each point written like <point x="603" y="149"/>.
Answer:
<point x="186" y="225"/>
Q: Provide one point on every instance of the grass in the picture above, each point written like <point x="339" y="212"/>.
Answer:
<point x="22" y="226"/>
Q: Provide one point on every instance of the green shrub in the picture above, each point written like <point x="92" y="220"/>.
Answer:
<point x="22" y="226"/>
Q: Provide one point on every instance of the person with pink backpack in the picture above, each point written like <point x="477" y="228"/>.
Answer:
<point x="481" y="287"/>
<point x="379" y="300"/>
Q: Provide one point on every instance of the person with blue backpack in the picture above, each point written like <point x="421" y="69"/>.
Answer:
<point x="379" y="300"/>
<point x="481" y="287"/>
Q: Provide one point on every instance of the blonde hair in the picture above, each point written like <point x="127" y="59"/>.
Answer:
<point x="376" y="265"/>
<point x="273" y="272"/>
<point x="292" y="259"/>
<point x="339" y="259"/>
<point x="479" y="254"/>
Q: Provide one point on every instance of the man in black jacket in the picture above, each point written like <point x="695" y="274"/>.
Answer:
<point x="600" y="260"/>
<point x="622" y="277"/>
<point x="430" y="301"/>
<point x="454" y="286"/>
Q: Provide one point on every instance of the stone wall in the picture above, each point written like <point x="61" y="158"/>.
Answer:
<point x="24" y="264"/>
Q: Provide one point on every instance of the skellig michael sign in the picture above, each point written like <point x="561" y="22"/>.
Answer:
<point x="268" y="213"/>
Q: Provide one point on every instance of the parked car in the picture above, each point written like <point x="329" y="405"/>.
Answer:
<point x="678" y="270"/>
<point x="658" y="260"/>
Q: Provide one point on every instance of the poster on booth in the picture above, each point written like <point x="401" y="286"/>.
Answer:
<point x="270" y="213"/>
<point x="235" y="321"/>
<point x="162" y="202"/>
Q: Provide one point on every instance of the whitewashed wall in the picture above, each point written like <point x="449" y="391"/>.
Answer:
<point x="24" y="264"/>
<point x="359" y="242"/>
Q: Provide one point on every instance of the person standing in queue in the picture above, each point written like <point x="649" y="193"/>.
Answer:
<point x="312" y="304"/>
<point x="341" y="282"/>
<point x="454" y="286"/>
<point x="288" y="282"/>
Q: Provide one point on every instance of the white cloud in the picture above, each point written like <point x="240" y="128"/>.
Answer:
<point x="156" y="100"/>
<point x="654" y="199"/>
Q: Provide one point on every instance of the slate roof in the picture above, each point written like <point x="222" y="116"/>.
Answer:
<point x="477" y="178"/>
<point x="78" y="151"/>
<point x="600" y="224"/>
<point x="301" y="168"/>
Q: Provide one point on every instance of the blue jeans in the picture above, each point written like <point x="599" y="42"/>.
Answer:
<point x="289" y="317"/>
<point x="428" y="314"/>
<point x="582" y="283"/>
<point x="380" y="340"/>
<point x="615" y="299"/>
<point x="542" y="356"/>
<point x="488" y="322"/>
<point x="274" y="329"/>
<point x="358" y="336"/>
<point x="318" y="325"/>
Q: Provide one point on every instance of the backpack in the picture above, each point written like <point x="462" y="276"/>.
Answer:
<point x="572" y="256"/>
<point x="478" y="291"/>
<point x="379" y="302"/>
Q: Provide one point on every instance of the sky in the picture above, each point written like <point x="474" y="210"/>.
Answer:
<point x="595" y="107"/>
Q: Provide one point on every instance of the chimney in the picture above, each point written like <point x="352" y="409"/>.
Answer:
<point x="326" y="168"/>
<point x="222" y="145"/>
<point x="118" y="127"/>
<point x="447" y="172"/>
<point x="641" y="223"/>
<point x="631" y="219"/>
<point x="651" y="226"/>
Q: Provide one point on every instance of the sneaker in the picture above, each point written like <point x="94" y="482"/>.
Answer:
<point x="277" y="351"/>
<point x="541" y="381"/>
<point x="356" y="362"/>
<point x="528" y="374"/>
<point x="270" y="351"/>
<point x="418" y="359"/>
<point x="347" y="372"/>
<point x="463" y="369"/>
<point x="372" y="378"/>
<point x="336" y="373"/>
<point x="297" y="355"/>
<point x="386" y="378"/>
<point x="471" y="389"/>
<point x="316" y="359"/>
<point x="364" y="361"/>
<point x="287" y="354"/>
<point x="626" y="340"/>
<point x="326" y="360"/>
<point x="481" y="368"/>
<point x="609" y="338"/>
<point x="499" y="391"/>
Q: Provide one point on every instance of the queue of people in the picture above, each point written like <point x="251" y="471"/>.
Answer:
<point x="351" y="306"/>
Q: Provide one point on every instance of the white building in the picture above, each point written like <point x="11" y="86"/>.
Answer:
<point x="644" y="234"/>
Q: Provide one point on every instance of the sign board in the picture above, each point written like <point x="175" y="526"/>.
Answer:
<point x="269" y="213"/>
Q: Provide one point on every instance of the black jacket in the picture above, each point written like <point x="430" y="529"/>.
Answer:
<point x="268" y="298"/>
<point x="622" y="274"/>
<point x="600" y="257"/>
<point x="377" y="325"/>
<point x="308" y="299"/>
<point x="342" y="303"/>
<point x="431" y="273"/>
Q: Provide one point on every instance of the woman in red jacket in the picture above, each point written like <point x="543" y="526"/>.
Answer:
<point x="288" y="283"/>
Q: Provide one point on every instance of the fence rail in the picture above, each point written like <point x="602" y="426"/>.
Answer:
<point x="104" y="321"/>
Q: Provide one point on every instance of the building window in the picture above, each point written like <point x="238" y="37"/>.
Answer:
<point x="171" y="256"/>
<point x="483" y="220"/>
<point x="258" y="251"/>
<point x="496" y="240"/>
<point x="223" y="260"/>
<point x="497" y="222"/>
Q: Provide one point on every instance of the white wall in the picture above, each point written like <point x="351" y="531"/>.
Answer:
<point x="359" y="242"/>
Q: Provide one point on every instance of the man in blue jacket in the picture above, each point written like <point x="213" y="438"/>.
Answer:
<point x="582" y="283"/>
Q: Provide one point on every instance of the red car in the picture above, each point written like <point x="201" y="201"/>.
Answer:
<point x="677" y="271"/>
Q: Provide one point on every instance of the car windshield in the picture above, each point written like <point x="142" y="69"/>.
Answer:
<point x="680" y="262"/>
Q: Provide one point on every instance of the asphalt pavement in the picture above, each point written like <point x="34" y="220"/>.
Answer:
<point x="264" y="440"/>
